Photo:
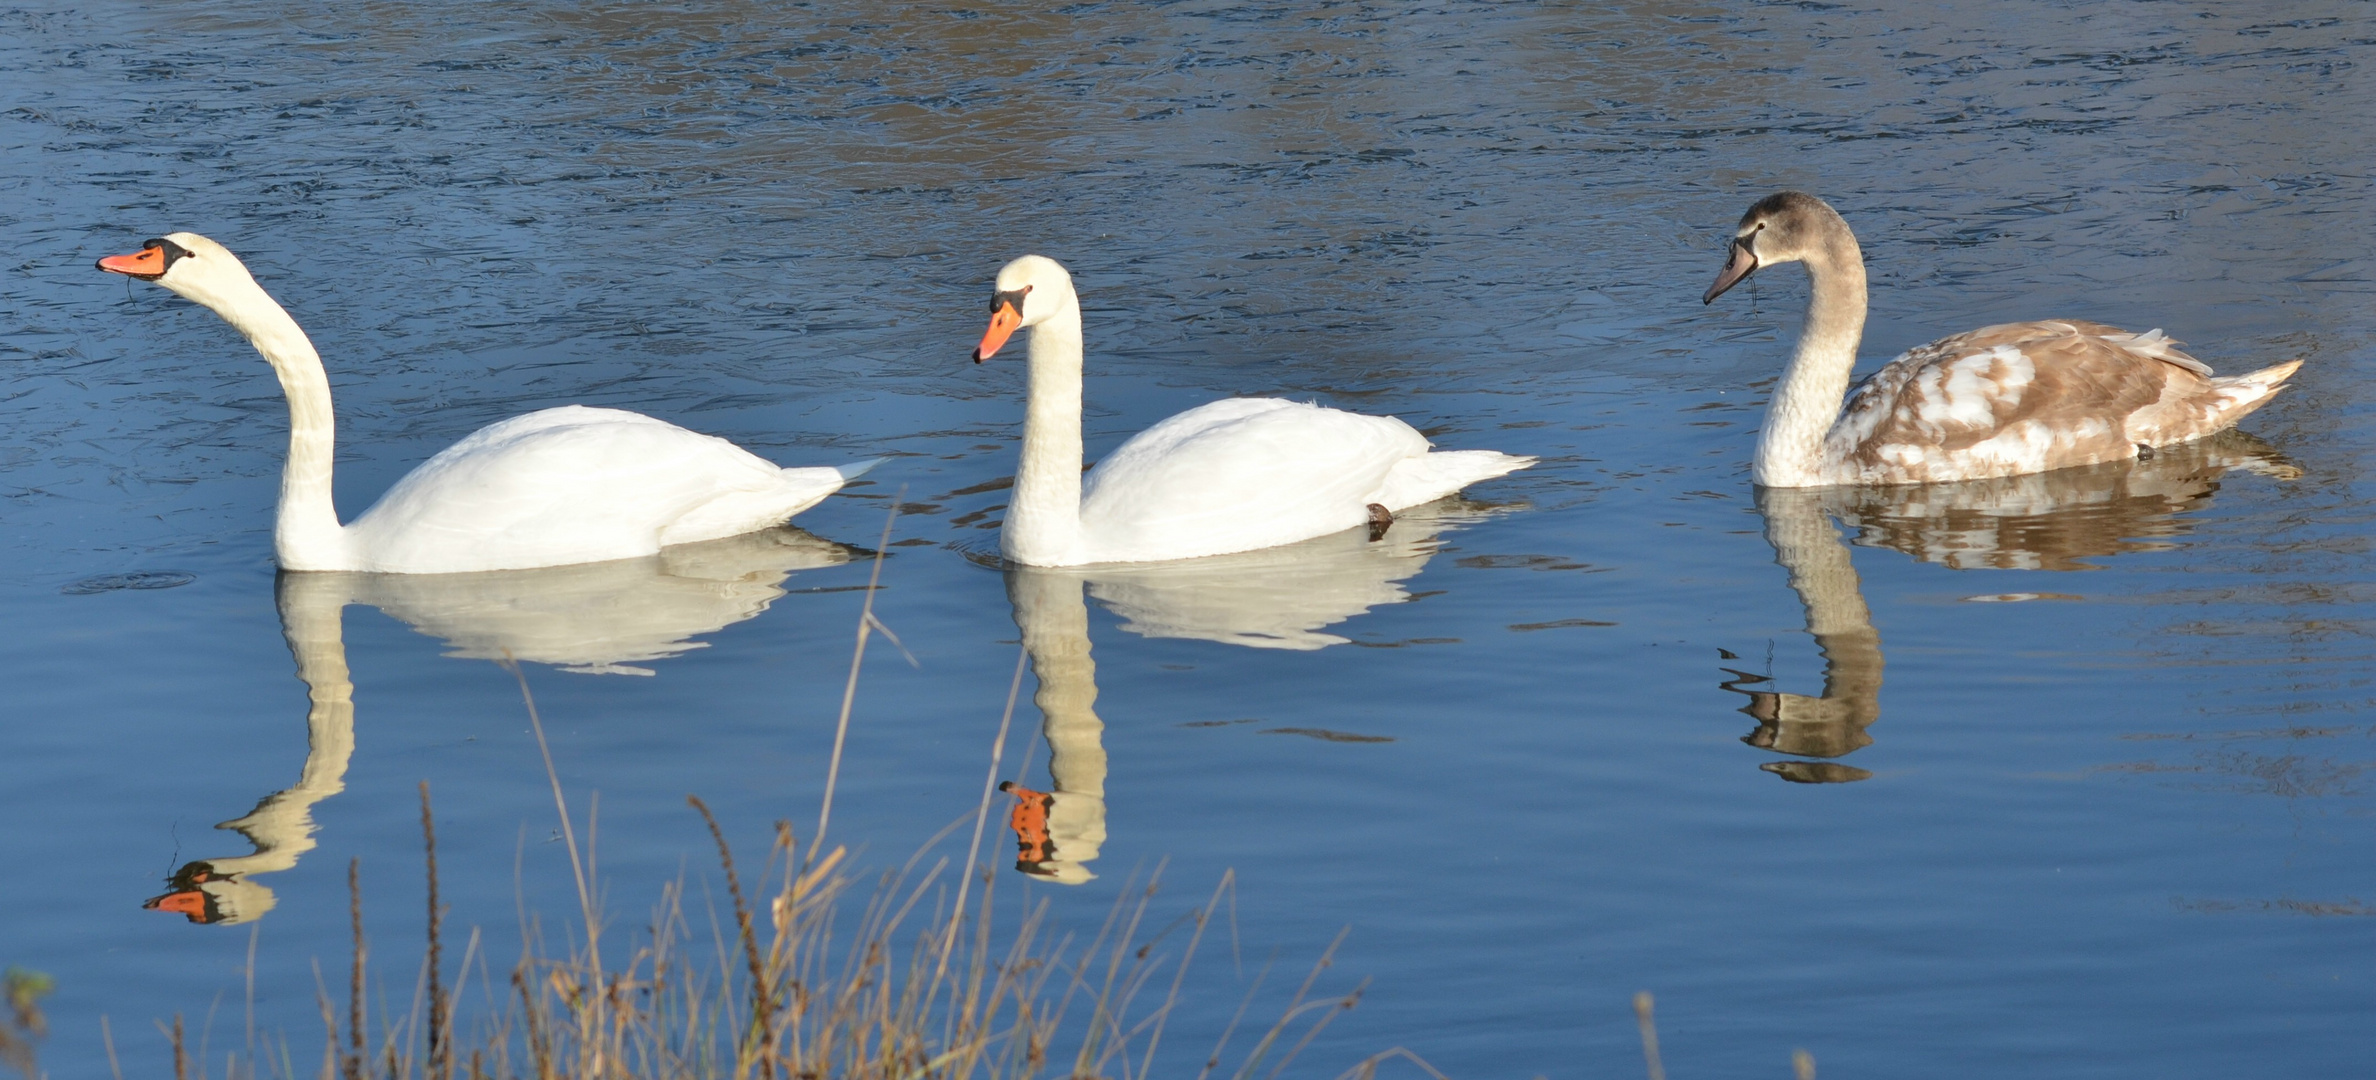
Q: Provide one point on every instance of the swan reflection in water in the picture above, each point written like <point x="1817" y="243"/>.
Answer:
<point x="2040" y="521"/>
<point x="1274" y="598"/>
<point x="594" y="618"/>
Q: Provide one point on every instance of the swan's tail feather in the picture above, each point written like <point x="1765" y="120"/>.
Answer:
<point x="739" y="512"/>
<point x="856" y="469"/>
<point x="2236" y="396"/>
<point x="826" y="479"/>
<point x="809" y="485"/>
<point x="1433" y="475"/>
<point x="2268" y="377"/>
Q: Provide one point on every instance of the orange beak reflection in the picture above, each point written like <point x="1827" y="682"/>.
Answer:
<point x="188" y="903"/>
<point x="148" y="263"/>
<point x="1003" y="322"/>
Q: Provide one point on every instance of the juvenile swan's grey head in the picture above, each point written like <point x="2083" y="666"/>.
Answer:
<point x="1787" y="226"/>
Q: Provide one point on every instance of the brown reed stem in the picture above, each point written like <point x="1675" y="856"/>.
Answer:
<point x="181" y="1051"/>
<point x="1802" y="1065"/>
<point x="973" y="849"/>
<point x="1649" y="1023"/>
<point x="351" y="1065"/>
<point x="440" y="1040"/>
<point x="762" y="1001"/>
<point x="107" y="1036"/>
<point x="841" y="727"/>
<point x="539" y="1052"/>
<point x="577" y="866"/>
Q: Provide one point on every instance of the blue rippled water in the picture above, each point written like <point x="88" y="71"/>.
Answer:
<point x="2069" y="778"/>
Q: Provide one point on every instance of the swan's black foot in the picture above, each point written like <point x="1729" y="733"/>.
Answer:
<point x="1380" y="520"/>
<point x="2144" y="452"/>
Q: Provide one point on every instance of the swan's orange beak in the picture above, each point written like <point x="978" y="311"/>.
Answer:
<point x="1003" y="321"/>
<point x="147" y="264"/>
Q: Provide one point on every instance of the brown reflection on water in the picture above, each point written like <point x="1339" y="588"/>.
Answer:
<point x="2056" y="520"/>
<point x="2043" y="521"/>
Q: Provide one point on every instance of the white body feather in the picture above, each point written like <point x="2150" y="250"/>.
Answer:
<point x="1233" y="475"/>
<point x="574" y="485"/>
<point x="552" y="488"/>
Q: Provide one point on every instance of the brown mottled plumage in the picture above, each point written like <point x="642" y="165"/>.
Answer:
<point x="1998" y="401"/>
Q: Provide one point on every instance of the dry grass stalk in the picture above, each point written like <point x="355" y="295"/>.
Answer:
<point x="25" y="1026"/>
<point x="803" y="1000"/>
<point x="1643" y="1015"/>
<point x="867" y="625"/>
<point x="973" y="847"/>
<point x="904" y="990"/>
<point x="441" y="1051"/>
<point x="762" y="1003"/>
<point x="351" y="1062"/>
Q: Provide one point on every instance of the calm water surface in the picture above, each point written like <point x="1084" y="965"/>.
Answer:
<point x="2066" y="775"/>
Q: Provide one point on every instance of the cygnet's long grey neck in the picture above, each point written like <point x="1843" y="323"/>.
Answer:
<point x="1807" y="403"/>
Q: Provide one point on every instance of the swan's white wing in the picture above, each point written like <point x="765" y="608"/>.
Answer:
<point x="571" y="485"/>
<point x="1239" y="474"/>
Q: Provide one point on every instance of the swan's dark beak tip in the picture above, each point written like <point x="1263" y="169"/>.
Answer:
<point x="1005" y="319"/>
<point x="1737" y="268"/>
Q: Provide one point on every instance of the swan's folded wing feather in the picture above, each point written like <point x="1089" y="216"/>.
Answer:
<point x="2008" y="399"/>
<point x="572" y="484"/>
<point x="1239" y="474"/>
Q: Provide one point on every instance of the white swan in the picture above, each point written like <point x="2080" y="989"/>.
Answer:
<point x="551" y="488"/>
<point x="1998" y="401"/>
<point x="1234" y="475"/>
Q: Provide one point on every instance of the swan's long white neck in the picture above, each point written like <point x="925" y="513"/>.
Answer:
<point x="1043" y="522"/>
<point x="306" y="535"/>
<point x="1807" y="403"/>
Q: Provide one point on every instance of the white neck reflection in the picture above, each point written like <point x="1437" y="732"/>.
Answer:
<point x="1274" y="598"/>
<point x="594" y="618"/>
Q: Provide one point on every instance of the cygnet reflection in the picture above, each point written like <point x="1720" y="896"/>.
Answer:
<point x="600" y="617"/>
<point x="2041" y="521"/>
<point x="1276" y="598"/>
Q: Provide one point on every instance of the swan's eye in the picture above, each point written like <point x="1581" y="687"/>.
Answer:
<point x="171" y="250"/>
<point x="1010" y="296"/>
